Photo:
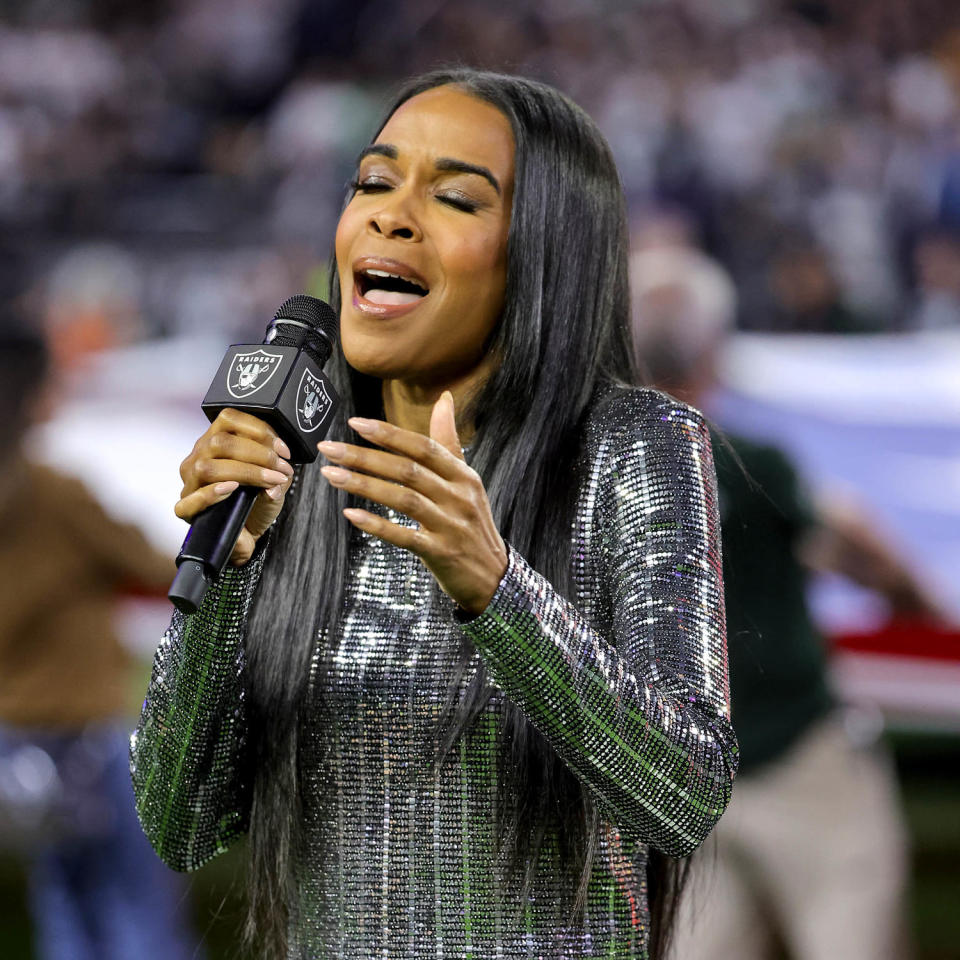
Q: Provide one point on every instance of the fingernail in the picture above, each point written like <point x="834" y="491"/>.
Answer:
<point x="335" y="475"/>
<point x="228" y="486"/>
<point x="285" y="468"/>
<point x="281" y="448"/>
<point x="274" y="493"/>
<point x="274" y="476"/>
<point x="362" y="425"/>
<point x="332" y="449"/>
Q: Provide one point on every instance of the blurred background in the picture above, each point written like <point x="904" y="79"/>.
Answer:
<point x="172" y="170"/>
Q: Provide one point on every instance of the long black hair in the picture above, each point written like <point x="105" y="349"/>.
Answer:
<point x="563" y="334"/>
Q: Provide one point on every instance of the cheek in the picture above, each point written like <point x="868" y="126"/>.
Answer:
<point x="348" y="226"/>
<point x="478" y="253"/>
<point x="479" y="299"/>
<point x="341" y="243"/>
<point x="479" y="266"/>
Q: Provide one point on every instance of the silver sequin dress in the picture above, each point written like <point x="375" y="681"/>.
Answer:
<point x="627" y="680"/>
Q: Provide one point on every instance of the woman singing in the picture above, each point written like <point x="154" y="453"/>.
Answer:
<point x="471" y="687"/>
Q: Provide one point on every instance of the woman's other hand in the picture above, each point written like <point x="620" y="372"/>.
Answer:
<point x="428" y="480"/>
<point x="237" y="449"/>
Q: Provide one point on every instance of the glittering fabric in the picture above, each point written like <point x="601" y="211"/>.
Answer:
<point x="627" y="680"/>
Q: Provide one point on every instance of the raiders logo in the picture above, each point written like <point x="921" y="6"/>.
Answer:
<point x="313" y="402"/>
<point x="251" y="372"/>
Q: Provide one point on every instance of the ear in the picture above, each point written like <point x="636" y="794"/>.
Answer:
<point x="443" y="424"/>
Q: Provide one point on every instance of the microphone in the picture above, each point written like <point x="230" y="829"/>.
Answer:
<point x="281" y="381"/>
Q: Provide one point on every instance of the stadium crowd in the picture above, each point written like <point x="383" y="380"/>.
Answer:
<point x="181" y="162"/>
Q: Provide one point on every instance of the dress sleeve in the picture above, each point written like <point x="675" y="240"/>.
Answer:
<point x="639" y="707"/>
<point x="188" y="756"/>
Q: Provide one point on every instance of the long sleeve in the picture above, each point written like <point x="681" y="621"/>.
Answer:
<point x="634" y="698"/>
<point x="188" y="760"/>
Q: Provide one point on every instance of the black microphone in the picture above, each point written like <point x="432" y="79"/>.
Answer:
<point x="282" y="382"/>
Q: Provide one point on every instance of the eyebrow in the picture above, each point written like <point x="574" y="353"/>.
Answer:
<point x="444" y="164"/>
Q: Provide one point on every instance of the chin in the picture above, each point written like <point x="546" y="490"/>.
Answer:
<point x="371" y="359"/>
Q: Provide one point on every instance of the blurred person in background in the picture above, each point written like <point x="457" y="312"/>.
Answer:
<point x="92" y="303"/>
<point x="812" y="846"/>
<point x="805" y="294"/>
<point x="936" y="261"/>
<point x="96" y="889"/>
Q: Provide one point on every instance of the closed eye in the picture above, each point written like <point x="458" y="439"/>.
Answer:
<point x="455" y="199"/>
<point x="459" y="202"/>
<point x="370" y="185"/>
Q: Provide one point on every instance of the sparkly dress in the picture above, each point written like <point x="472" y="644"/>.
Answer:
<point x="627" y="680"/>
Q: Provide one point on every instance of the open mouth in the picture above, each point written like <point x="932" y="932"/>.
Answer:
<point x="387" y="289"/>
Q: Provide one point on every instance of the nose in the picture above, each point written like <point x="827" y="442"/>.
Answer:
<point x="394" y="219"/>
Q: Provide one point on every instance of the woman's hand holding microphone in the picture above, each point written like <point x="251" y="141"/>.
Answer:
<point x="425" y="478"/>
<point x="237" y="449"/>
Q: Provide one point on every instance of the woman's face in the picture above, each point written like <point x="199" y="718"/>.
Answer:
<point x="422" y="245"/>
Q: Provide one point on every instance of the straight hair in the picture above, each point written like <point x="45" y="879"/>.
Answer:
<point x="563" y="337"/>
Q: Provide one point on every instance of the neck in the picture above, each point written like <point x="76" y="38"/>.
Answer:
<point x="409" y="405"/>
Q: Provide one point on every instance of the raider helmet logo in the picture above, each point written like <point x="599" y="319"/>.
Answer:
<point x="251" y="372"/>
<point x="313" y="402"/>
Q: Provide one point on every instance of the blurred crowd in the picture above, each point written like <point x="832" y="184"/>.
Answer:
<point x="182" y="162"/>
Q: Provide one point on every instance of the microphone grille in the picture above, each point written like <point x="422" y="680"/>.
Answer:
<point x="305" y="323"/>
<point x="311" y="311"/>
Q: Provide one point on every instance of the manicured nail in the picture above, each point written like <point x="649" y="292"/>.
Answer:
<point x="228" y="486"/>
<point x="285" y="468"/>
<point x="332" y="449"/>
<point x="274" y="493"/>
<point x="336" y="475"/>
<point x="281" y="448"/>
<point x="357" y="516"/>
<point x="362" y="425"/>
<point x="274" y="476"/>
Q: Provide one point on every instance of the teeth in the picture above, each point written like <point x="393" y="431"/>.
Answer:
<point x="396" y="276"/>
<point x="373" y="273"/>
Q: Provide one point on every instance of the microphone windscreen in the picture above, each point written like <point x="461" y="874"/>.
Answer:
<point x="311" y="324"/>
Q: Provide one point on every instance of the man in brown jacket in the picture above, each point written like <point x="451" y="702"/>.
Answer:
<point x="97" y="890"/>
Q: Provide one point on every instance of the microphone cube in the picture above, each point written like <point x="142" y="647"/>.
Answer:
<point x="281" y="385"/>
